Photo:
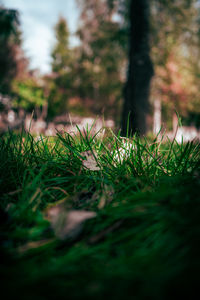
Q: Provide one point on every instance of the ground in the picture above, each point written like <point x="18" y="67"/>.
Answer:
<point x="93" y="216"/>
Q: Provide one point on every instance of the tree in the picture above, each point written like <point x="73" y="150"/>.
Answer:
<point x="140" y="71"/>
<point x="102" y="58"/>
<point x="175" y="53"/>
<point x="9" y="46"/>
<point x="62" y="68"/>
<point x="174" y="48"/>
<point x="28" y="94"/>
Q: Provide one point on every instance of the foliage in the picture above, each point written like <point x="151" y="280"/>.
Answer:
<point x="9" y="41"/>
<point x="28" y="94"/>
<point x="102" y="63"/>
<point x="175" y="52"/>
<point x="174" y="37"/>
<point x="61" y="85"/>
<point x="61" y="53"/>
<point x="143" y="242"/>
<point x="94" y="71"/>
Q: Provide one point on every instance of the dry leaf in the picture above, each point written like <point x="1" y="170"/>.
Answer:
<point x="67" y="224"/>
<point x="90" y="162"/>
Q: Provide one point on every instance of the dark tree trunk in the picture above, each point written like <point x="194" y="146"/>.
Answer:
<point x="140" y="72"/>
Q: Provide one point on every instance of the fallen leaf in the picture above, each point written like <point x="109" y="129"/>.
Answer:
<point x="67" y="224"/>
<point x="90" y="162"/>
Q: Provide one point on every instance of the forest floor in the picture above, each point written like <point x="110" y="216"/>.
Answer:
<point x="98" y="216"/>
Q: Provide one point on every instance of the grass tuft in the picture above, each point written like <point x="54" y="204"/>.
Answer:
<point x="145" y="239"/>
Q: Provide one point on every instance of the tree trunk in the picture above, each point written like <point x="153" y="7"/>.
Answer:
<point x="44" y="111"/>
<point x="157" y="116"/>
<point x="174" y="123"/>
<point x="140" y="71"/>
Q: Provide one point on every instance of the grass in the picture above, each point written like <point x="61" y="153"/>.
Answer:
<point x="144" y="242"/>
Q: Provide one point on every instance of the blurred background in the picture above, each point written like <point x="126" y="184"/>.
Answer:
<point x="66" y="62"/>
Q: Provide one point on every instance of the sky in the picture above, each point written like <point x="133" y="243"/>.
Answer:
<point x="38" y="18"/>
